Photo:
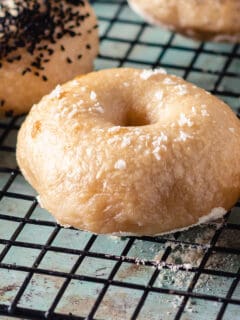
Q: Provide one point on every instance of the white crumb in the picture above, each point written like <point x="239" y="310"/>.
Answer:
<point x="213" y="215"/>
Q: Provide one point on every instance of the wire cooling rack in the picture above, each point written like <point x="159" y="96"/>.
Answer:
<point x="48" y="272"/>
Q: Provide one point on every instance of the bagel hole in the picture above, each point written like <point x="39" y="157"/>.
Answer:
<point x="136" y="119"/>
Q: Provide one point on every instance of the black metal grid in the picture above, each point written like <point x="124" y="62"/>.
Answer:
<point x="24" y="215"/>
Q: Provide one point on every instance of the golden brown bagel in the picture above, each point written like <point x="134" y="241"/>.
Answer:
<point x="131" y="151"/>
<point x="202" y="19"/>
<point x="43" y="43"/>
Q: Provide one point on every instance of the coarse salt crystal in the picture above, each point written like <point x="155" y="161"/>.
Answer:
<point x="168" y="81"/>
<point x="184" y="120"/>
<point x="156" y="154"/>
<point x="182" y="89"/>
<point x="120" y="164"/>
<point x="126" y="142"/>
<point x="158" y="140"/>
<point x="159" y="95"/>
<point x="183" y="136"/>
<point x="126" y="84"/>
<point x="146" y="74"/>
<point x="89" y="152"/>
<point x="231" y="129"/>
<point x="204" y="113"/>
<point x="93" y="95"/>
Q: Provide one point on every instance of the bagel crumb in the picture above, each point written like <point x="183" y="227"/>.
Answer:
<point x="120" y="164"/>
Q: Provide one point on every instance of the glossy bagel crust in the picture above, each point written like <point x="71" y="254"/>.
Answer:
<point x="201" y="19"/>
<point x="43" y="43"/>
<point x="128" y="151"/>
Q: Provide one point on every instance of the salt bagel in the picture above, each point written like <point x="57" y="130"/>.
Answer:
<point x="43" y="43"/>
<point x="128" y="151"/>
<point x="205" y="20"/>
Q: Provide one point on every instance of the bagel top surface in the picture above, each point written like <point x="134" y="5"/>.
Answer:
<point x="131" y="151"/>
<point x="202" y="19"/>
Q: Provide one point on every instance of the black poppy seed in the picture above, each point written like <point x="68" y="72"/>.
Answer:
<point x="88" y="46"/>
<point x="25" y="71"/>
<point x="72" y="34"/>
<point x="36" y="74"/>
<point x="62" y="47"/>
<point x="44" y="78"/>
<point x="2" y="102"/>
<point x="79" y="56"/>
<point x="50" y="51"/>
<point x="96" y="26"/>
<point x="68" y="60"/>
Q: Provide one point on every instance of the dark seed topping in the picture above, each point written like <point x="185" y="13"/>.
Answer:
<point x="26" y="24"/>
